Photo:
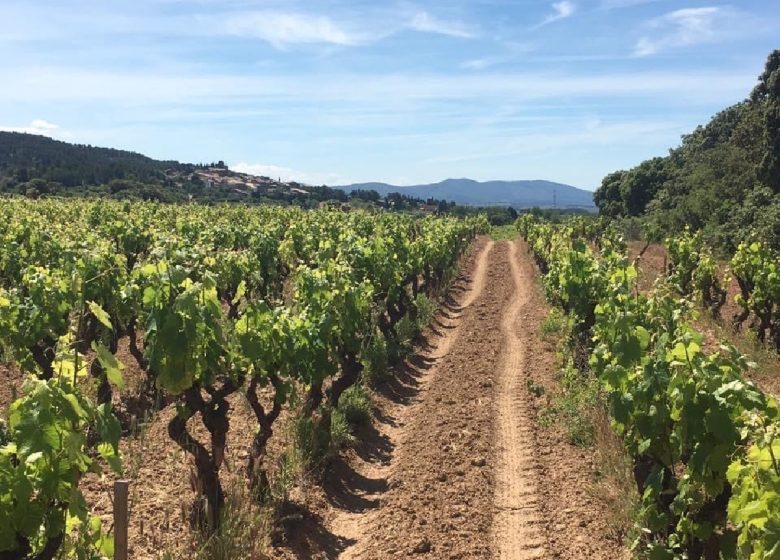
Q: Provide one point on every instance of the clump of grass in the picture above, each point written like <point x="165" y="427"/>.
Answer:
<point x="506" y="232"/>
<point x="554" y="326"/>
<point x="355" y="406"/>
<point x="426" y="309"/>
<point x="577" y="405"/>
<point x="244" y="530"/>
<point x="574" y="406"/>
<point x="376" y="359"/>
<point x="613" y="483"/>
<point x="534" y="388"/>
<point x="341" y="435"/>
<point x="406" y="330"/>
<point x="289" y="469"/>
<point x="354" y="410"/>
<point x="310" y="442"/>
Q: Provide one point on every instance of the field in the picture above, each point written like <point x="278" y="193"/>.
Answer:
<point x="276" y="383"/>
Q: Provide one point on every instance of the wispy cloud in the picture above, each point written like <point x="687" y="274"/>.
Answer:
<point x="69" y="85"/>
<point x="425" y="22"/>
<point x="682" y="28"/>
<point x="614" y="4"/>
<point x="38" y="126"/>
<point x="281" y="29"/>
<point x="480" y="63"/>
<point x="561" y="10"/>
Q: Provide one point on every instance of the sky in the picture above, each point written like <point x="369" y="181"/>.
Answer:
<point x="405" y="92"/>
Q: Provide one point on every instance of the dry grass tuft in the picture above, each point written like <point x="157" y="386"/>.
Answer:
<point x="613" y="484"/>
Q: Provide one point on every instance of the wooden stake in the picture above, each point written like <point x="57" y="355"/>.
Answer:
<point x="121" y="519"/>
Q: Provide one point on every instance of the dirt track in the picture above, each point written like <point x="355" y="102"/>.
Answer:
<point x="517" y="530"/>
<point x="457" y="465"/>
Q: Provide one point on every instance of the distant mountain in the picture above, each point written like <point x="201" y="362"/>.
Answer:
<point x="40" y="166"/>
<point x="518" y="194"/>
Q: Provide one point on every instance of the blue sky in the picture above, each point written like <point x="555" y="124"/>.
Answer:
<point x="339" y="91"/>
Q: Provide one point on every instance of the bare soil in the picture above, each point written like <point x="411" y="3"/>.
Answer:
<point x="459" y="465"/>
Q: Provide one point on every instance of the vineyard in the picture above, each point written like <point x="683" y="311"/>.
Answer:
<point x="204" y="327"/>
<point x="703" y="440"/>
<point x="282" y="305"/>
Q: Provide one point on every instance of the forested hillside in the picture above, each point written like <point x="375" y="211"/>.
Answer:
<point x="723" y="179"/>
<point x="28" y="156"/>
<point x="36" y="166"/>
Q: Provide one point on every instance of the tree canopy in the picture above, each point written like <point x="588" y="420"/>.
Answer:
<point x="724" y="178"/>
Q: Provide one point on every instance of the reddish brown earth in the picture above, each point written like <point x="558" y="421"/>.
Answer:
<point x="462" y="467"/>
<point x="11" y="381"/>
<point x="456" y="464"/>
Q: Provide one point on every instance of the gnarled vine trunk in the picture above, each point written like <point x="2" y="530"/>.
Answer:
<point x="213" y="413"/>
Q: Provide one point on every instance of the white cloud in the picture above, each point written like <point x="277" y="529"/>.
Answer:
<point x="561" y="10"/>
<point x="615" y="4"/>
<point x="479" y="63"/>
<point x="38" y="126"/>
<point x="682" y="28"/>
<point x="577" y="132"/>
<point x="427" y="23"/>
<point x="281" y="29"/>
<point x="287" y="174"/>
<point x="219" y="90"/>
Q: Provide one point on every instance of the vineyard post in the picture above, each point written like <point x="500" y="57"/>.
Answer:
<point x="120" y="519"/>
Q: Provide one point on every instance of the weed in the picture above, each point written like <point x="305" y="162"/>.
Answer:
<point x="407" y="330"/>
<point x="340" y="432"/>
<point x="355" y="406"/>
<point x="244" y="530"/>
<point x="506" y="232"/>
<point x="376" y="359"/>
<point x="534" y="388"/>
<point x="614" y="484"/>
<point x="289" y="469"/>
<point x="746" y="341"/>
<point x="310" y="440"/>
<point x="426" y="309"/>
<point x="554" y="325"/>
<point x="574" y="406"/>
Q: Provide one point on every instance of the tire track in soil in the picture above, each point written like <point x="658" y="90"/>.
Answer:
<point x="352" y="524"/>
<point x="518" y="531"/>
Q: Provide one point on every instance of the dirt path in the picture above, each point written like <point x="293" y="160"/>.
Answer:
<point x="517" y="534"/>
<point x="353" y="525"/>
<point x="458" y="464"/>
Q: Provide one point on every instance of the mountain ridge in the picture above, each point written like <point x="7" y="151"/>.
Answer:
<point x="515" y="193"/>
<point x="38" y="165"/>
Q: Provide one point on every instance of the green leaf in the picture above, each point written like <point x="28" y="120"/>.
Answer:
<point x="643" y="335"/>
<point x="240" y="292"/>
<point x="111" y="366"/>
<point x="34" y="457"/>
<point x="110" y="455"/>
<point x="100" y="315"/>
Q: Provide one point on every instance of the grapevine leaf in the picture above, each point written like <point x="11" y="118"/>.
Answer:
<point x="109" y="454"/>
<point x="111" y="366"/>
<point x="100" y="315"/>
<point x="643" y="335"/>
<point x="240" y="292"/>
